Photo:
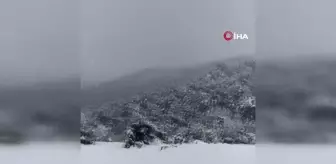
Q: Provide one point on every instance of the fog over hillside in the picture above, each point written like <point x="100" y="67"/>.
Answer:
<point x="39" y="70"/>
<point x="295" y="82"/>
<point x="296" y="100"/>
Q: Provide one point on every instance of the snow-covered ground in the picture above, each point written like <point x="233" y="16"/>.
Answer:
<point x="296" y="154"/>
<point x="107" y="153"/>
<point x="40" y="153"/>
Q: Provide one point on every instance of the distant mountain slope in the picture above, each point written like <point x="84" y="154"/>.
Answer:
<point x="215" y="107"/>
<point x="296" y="99"/>
<point x="148" y="80"/>
<point x="43" y="106"/>
<point x="145" y="80"/>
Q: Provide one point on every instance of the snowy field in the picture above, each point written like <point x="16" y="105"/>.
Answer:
<point x="40" y="153"/>
<point x="296" y="154"/>
<point x="107" y="153"/>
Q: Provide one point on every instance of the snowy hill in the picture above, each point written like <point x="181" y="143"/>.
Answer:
<point x="215" y="108"/>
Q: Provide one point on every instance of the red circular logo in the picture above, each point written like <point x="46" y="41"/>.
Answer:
<point x="228" y="35"/>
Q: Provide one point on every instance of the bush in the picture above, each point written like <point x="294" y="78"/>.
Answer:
<point x="142" y="134"/>
<point x="86" y="141"/>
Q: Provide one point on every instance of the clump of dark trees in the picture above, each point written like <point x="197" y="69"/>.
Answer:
<point x="85" y="138"/>
<point x="142" y="134"/>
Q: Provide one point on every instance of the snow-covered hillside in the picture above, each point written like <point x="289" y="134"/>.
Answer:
<point x="107" y="153"/>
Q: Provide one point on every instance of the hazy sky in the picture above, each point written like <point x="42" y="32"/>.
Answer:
<point x="38" y="40"/>
<point x="104" y="39"/>
<point x="296" y="26"/>
<point x="43" y="39"/>
<point x="121" y="36"/>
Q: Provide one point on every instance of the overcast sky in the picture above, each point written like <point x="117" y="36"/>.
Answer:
<point x="296" y="26"/>
<point x="122" y="36"/>
<point x="38" y="40"/>
<point x="105" y="39"/>
<point x="44" y="39"/>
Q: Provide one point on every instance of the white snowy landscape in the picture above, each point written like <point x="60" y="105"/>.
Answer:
<point x="296" y="154"/>
<point x="107" y="153"/>
<point x="40" y="153"/>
